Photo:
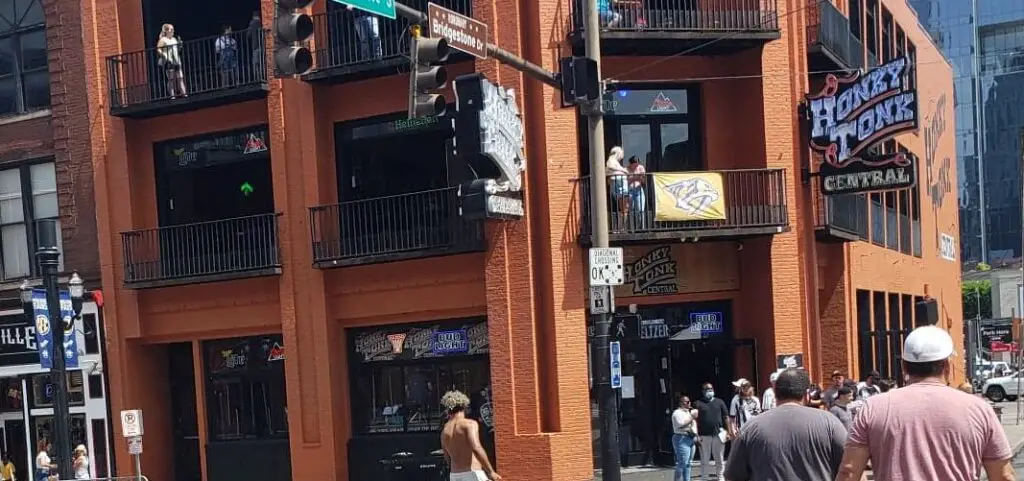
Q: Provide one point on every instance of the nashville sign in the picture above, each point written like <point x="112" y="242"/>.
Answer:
<point x="854" y="113"/>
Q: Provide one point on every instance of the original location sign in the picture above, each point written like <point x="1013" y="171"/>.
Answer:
<point x="462" y="32"/>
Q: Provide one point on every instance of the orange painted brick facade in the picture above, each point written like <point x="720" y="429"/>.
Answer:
<point x="794" y="294"/>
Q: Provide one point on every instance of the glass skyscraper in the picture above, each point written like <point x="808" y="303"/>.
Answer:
<point x="998" y="102"/>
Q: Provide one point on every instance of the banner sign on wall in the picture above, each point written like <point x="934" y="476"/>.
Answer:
<point x="45" y="326"/>
<point x="852" y="114"/>
<point x="947" y="247"/>
<point x="422" y="342"/>
<point x="689" y="196"/>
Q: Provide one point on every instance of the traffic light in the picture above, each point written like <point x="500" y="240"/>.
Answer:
<point x="427" y="75"/>
<point x="291" y="27"/>
<point x="579" y="80"/>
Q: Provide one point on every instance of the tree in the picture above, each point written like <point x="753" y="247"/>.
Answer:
<point x="973" y="292"/>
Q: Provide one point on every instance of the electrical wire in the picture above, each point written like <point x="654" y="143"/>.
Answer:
<point x="768" y="22"/>
<point x="755" y="76"/>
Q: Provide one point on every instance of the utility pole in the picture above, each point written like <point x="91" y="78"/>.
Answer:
<point x="600" y="346"/>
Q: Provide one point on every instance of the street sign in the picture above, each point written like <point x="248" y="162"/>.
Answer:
<point x="135" y="445"/>
<point x="602" y="300"/>
<point x="462" y="32"/>
<point x="384" y="8"/>
<point x="614" y="349"/>
<point x="606" y="266"/>
<point x="131" y="423"/>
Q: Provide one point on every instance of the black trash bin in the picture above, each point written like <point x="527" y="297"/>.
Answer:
<point x="405" y="466"/>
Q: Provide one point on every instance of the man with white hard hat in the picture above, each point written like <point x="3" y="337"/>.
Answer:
<point x="768" y="398"/>
<point x="927" y="430"/>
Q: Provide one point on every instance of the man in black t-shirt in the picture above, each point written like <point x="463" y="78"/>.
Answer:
<point x="712" y="419"/>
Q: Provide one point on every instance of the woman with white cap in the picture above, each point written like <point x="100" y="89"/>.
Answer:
<point x="81" y="463"/>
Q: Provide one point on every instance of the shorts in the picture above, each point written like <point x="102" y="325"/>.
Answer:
<point x="619" y="187"/>
<point x="468" y="476"/>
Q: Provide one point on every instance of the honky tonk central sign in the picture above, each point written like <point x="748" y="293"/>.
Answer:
<point x="852" y="114"/>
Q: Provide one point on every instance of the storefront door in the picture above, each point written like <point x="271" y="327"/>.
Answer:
<point x="16" y="445"/>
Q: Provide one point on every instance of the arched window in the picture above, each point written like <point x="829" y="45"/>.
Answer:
<point x="24" y="69"/>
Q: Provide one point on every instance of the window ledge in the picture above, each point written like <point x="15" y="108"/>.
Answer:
<point x="26" y="116"/>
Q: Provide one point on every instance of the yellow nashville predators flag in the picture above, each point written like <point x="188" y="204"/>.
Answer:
<point x="689" y="196"/>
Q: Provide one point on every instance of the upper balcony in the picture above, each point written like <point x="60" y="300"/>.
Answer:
<point x="667" y="27"/>
<point x="191" y="75"/>
<point x="755" y="205"/>
<point x="351" y="45"/>
<point x="202" y="252"/>
<point x="831" y="44"/>
<point x="840" y="218"/>
<point x="396" y="227"/>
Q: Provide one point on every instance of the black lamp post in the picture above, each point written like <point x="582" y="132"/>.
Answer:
<point x="48" y="255"/>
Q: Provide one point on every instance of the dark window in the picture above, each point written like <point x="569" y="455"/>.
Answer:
<point x="856" y="21"/>
<point x="42" y="428"/>
<point x="871" y="19"/>
<point x="42" y="390"/>
<point x="887" y="36"/>
<point x="893" y="335"/>
<point x="95" y="386"/>
<point x="912" y="56"/>
<point x="99" y="444"/>
<point x="904" y="220"/>
<point x="403" y="397"/>
<point x="14" y="399"/>
<point x="92" y="334"/>
<point x="866" y="360"/>
<point x="24" y="65"/>
<point x="245" y="388"/>
<point x="27" y="194"/>
<point x="880" y="327"/>
<point x="901" y="41"/>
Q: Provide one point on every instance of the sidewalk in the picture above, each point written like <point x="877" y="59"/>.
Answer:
<point x="1014" y="432"/>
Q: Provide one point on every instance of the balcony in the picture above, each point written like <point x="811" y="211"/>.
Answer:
<point x="398" y="227"/>
<point x="840" y="218"/>
<point x="205" y="252"/>
<point x="755" y="205"/>
<point x="139" y="85"/>
<point x="667" y="27"/>
<point x="831" y="44"/>
<point x="345" y="50"/>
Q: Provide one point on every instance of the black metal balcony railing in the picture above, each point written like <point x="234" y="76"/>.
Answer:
<point x="830" y="29"/>
<point x="842" y="214"/>
<point x="229" y="247"/>
<point x="404" y="226"/>
<point x="685" y="15"/>
<point x="351" y="38"/>
<point x="146" y="76"/>
<point x="755" y="203"/>
<point x="872" y="60"/>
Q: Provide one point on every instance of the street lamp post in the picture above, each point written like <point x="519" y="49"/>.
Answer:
<point x="48" y="256"/>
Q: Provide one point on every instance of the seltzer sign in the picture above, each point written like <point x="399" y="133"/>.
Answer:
<point x="852" y="114"/>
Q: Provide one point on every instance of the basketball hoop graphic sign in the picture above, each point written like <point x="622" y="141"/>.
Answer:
<point x="397" y="342"/>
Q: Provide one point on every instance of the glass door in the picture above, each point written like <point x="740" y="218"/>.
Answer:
<point x="660" y="144"/>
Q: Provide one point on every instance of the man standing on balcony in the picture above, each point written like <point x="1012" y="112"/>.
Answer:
<point x="256" y="44"/>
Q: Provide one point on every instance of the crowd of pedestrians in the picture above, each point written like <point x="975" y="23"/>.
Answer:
<point x="924" y="430"/>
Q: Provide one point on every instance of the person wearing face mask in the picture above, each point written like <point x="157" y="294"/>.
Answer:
<point x="712" y="420"/>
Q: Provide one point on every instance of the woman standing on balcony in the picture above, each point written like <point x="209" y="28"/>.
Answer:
<point x="168" y="47"/>
<point x="618" y="181"/>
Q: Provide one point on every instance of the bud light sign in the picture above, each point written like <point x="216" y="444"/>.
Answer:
<point x="706" y="322"/>
<point x="450" y="342"/>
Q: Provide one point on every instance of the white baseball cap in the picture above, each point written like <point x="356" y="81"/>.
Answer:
<point x="928" y="344"/>
<point x="741" y="381"/>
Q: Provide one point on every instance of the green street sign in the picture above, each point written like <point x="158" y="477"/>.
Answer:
<point x="246" y="188"/>
<point x="384" y="8"/>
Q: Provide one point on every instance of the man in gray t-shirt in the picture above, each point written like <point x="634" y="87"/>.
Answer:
<point x="841" y="407"/>
<point x="792" y="441"/>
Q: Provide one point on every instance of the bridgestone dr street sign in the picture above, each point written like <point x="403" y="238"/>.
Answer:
<point x="462" y="32"/>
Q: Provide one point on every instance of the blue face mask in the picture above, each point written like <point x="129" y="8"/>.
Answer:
<point x="709" y="394"/>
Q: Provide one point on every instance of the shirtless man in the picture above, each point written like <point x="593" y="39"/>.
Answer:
<point x="460" y="439"/>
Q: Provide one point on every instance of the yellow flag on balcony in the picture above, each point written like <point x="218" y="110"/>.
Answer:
<point x="688" y="196"/>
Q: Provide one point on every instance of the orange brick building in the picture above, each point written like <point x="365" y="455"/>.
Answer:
<point x="270" y="244"/>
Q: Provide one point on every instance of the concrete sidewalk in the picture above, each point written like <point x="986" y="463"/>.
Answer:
<point x="1014" y="432"/>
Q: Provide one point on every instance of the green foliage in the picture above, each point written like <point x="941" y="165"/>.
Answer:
<point x="973" y="292"/>
<point x="983" y="267"/>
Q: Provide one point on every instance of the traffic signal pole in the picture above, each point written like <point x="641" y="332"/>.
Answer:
<point x="601" y="344"/>
<point x="414" y="37"/>
<point x="499" y="54"/>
